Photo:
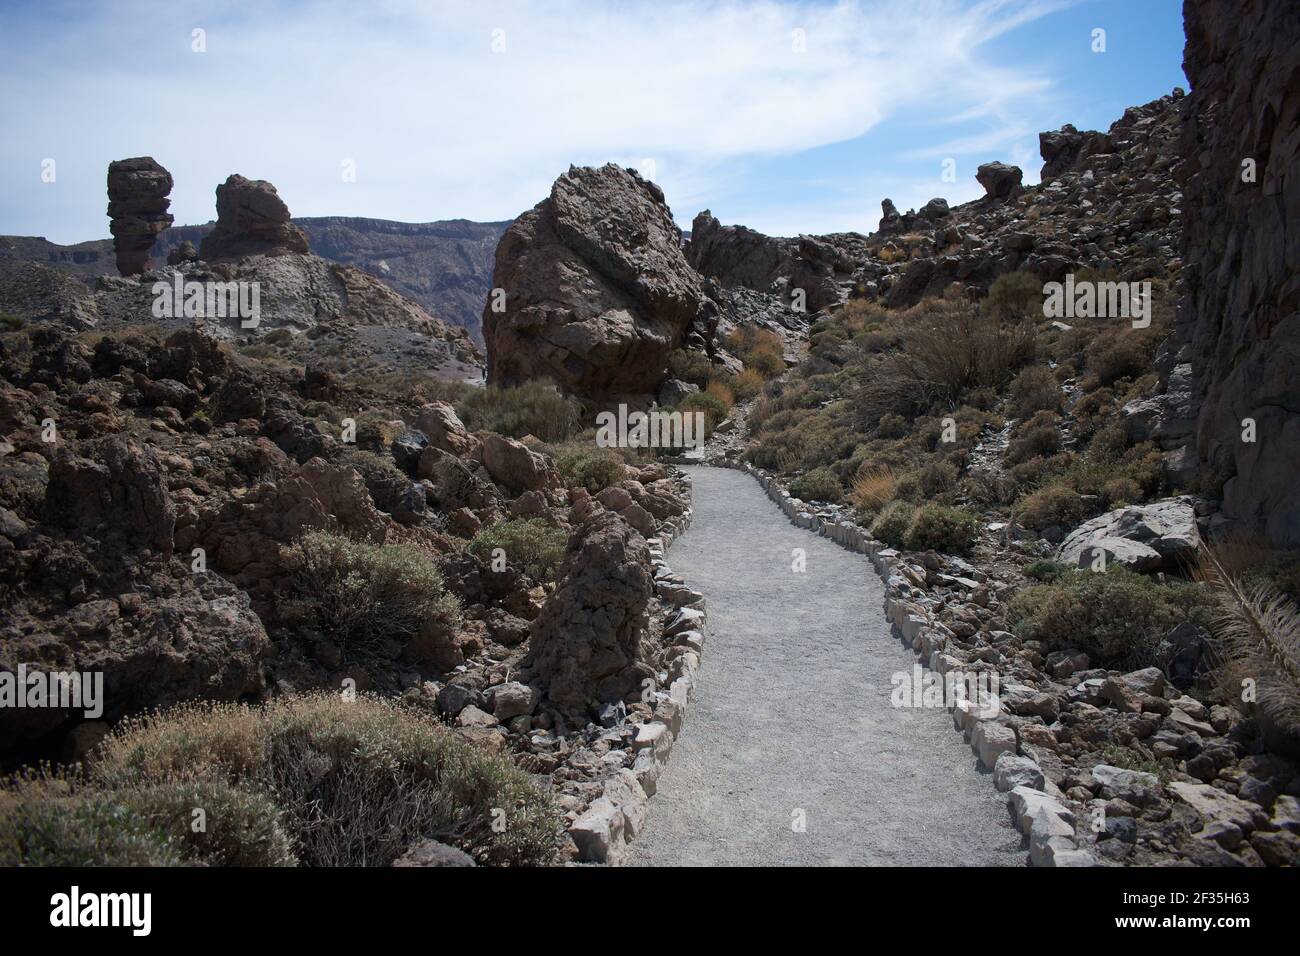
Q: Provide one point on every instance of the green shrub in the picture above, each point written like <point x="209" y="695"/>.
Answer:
<point x="1046" y="571"/>
<point x="1109" y="616"/>
<point x="38" y="828"/>
<point x="1055" y="505"/>
<point x="951" y="530"/>
<point x="363" y="593"/>
<point x="529" y="543"/>
<point x="589" y="467"/>
<point x="713" y="407"/>
<point x="533" y="408"/>
<point x="892" y="524"/>
<point x="355" y="781"/>
<point x="937" y="477"/>
<point x="241" y="827"/>
<point x="820" y="484"/>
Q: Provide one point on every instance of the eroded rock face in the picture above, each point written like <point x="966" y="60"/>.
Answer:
<point x="1240" y="316"/>
<point x="586" y="641"/>
<point x="112" y="486"/>
<point x="597" y="290"/>
<point x="252" y="219"/>
<point x="137" y="205"/>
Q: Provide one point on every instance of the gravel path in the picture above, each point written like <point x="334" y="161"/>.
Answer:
<point x="792" y="713"/>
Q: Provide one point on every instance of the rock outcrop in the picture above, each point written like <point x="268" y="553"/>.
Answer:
<point x="137" y="205"/>
<point x="1158" y="536"/>
<point x="596" y="290"/>
<point x="1239" y="321"/>
<point x="252" y="219"/>
<point x="587" y="641"/>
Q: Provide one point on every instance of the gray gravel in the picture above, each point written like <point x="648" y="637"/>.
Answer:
<point x="792" y="713"/>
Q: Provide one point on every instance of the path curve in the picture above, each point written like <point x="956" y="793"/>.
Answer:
<point x="792" y="712"/>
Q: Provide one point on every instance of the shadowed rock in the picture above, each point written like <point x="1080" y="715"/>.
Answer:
<point x="252" y="220"/>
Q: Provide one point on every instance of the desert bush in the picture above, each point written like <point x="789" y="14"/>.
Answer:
<point x="937" y="477"/>
<point x="242" y="827"/>
<point x="745" y="385"/>
<point x="1121" y="491"/>
<point x="1111" y="616"/>
<point x="533" y="408"/>
<point x="951" y="530"/>
<point x="722" y="392"/>
<point x="1034" y="389"/>
<point x="1126" y="355"/>
<point x="363" y="593"/>
<point x="892" y="524"/>
<point x="873" y="488"/>
<point x="820" y="484"/>
<point x="691" y="366"/>
<point x="355" y="781"/>
<point x="950" y="347"/>
<point x="711" y="404"/>
<point x="529" y="543"/>
<point x="1034" y="438"/>
<point x="589" y="467"/>
<point x="1046" y="572"/>
<point x="41" y="827"/>
<point x="1057" y="505"/>
<point x="1015" y="295"/>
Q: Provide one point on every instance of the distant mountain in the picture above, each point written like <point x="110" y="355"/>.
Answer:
<point x="444" y="266"/>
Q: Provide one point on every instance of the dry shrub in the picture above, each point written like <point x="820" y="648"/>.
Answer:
<point x="1035" y="389"/>
<point x="1257" y="633"/>
<point x="364" y="594"/>
<point x="873" y="487"/>
<point x="533" y="408"/>
<point x="356" y="781"/>
<point x="746" y="385"/>
<point x="1057" y="505"/>
<point x="722" y="392"/>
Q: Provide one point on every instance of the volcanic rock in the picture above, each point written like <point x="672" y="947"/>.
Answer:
<point x="252" y="219"/>
<point x="137" y="205"/>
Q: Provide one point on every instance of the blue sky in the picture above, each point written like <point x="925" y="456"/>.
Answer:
<point x="787" y="117"/>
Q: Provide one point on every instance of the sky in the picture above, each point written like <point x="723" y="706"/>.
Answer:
<point x="788" y="117"/>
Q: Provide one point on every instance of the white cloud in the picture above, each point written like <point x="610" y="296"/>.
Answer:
<point x="439" y="125"/>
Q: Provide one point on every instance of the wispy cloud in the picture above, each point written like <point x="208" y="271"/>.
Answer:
<point x="466" y="108"/>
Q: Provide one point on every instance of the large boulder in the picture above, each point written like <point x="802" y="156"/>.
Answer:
<point x="252" y="219"/>
<point x="1158" y="536"/>
<point x="596" y="289"/>
<point x="587" y="640"/>
<point x="1000" y="181"/>
<point x="516" y="467"/>
<point x="1239" y="321"/>
<point x="137" y="205"/>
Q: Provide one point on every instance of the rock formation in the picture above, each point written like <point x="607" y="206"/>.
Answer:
<point x="1000" y="181"/>
<point x="586" y="642"/>
<point x="252" y="219"/>
<point x="596" y="289"/>
<point x="137" y="205"/>
<point x="1239" y="322"/>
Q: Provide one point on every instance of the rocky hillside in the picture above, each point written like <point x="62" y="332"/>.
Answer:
<point x="445" y="266"/>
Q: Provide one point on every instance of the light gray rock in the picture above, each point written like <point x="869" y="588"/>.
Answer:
<point x="1012" y="771"/>
<point x="1153" y="537"/>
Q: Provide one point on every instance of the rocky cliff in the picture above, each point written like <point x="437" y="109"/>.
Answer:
<point x="1239" y="321"/>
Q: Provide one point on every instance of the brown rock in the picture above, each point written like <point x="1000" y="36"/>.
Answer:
<point x="252" y="219"/>
<point x="137" y="205"/>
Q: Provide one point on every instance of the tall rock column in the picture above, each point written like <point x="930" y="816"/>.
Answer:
<point x="1239" y="319"/>
<point x="137" y="205"/>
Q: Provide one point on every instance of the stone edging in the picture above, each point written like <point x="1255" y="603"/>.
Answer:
<point x="617" y="816"/>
